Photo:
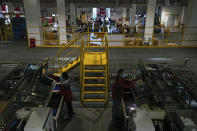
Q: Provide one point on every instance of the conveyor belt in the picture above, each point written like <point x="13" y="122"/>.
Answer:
<point x="189" y="80"/>
<point x="161" y="88"/>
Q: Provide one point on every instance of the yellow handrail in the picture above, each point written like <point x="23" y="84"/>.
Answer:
<point x="70" y="53"/>
<point x="68" y="45"/>
<point x="162" y="36"/>
<point x="64" y="48"/>
<point x="107" y="70"/>
<point x="68" y="60"/>
<point x="81" y="68"/>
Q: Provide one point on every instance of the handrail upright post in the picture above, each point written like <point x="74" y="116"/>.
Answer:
<point x="182" y="35"/>
<point x="59" y="62"/>
<point x="59" y="35"/>
<point x="88" y="36"/>
<point x="153" y="34"/>
<point x="73" y="34"/>
<point x="44" y="35"/>
<point x="81" y="68"/>
<point x="168" y="35"/>
<point x="124" y="40"/>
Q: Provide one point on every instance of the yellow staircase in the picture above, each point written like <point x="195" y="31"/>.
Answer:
<point x="67" y="58"/>
<point x="94" y="75"/>
<point x="93" y="69"/>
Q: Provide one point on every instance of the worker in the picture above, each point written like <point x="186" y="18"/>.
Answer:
<point x="65" y="90"/>
<point x="117" y="94"/>
<point x="100" y="22"/>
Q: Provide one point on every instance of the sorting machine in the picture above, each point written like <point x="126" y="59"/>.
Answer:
<point x="164" y="99"/>
<point x="26" y="89"/>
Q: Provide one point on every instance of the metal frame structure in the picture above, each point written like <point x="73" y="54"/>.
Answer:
<point x="183" y="41"/>
<point x="86" y="58"/>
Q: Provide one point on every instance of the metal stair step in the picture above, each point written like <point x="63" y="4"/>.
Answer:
<point x="95" y="100"/>
<point x="94" y="92"/>
<point x="97" y="85"/>
<point x="94" y="77"/>
<point x="94" y="70"/>
<point x="96" y="53"/>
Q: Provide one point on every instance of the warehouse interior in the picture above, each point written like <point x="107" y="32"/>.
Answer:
<point x="152" y="41"/>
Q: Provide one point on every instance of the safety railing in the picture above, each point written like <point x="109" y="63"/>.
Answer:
<point x="120" y="36"/>
<point x="107" y="66"/>
<point x="66" y="55"/>
<point x="81" y="67"/>
<point x="87" y="49"/>
<point x="6" y="32"/>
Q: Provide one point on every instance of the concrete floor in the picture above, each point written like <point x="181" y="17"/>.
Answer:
<point x="98" y="119"/>
<point x="16" y="52"/>
<point x="89" y="119"/>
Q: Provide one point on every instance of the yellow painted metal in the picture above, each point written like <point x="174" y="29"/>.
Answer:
<point x="64" y="62"/>
<point x="94" y="77"/>
<point x="94" y="70"/>
<point x="83" y="84"/>
<point x="58" y="74"/>
<point x="68" y="45"/>
<point x="70" y="53"/>
<point x="70" y="66"/>
<point x="95" y="100"/>
<point x="82" y="74"/>
<point x="94" y="85"/>
<point x="94" y="92"/>
<point x="8" y="32"/>
<point x="95" y="59"/>
<point x="160" y="46"/>
<point x="107" y="68"/>
<point x="170" y="32"/>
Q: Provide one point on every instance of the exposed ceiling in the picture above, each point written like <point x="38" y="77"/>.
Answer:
<point x="103" y="2"/>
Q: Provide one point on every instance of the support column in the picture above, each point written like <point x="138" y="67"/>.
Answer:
<point x="62" y="21"/>
<point x="124" y="15"/>
<point x="191" y="21"/>
<point x="33" y="20"/>
<point x="72" y="14"/>
<point x="78" y="12"/>
<point x="132" y="15"/>
<point x="150" y="16"/>
<point x="183" y="14"/>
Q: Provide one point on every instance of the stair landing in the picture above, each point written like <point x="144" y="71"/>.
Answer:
<point x="95" y="58"/>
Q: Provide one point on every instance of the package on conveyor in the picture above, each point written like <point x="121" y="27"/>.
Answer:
<point x="186" y="120"/>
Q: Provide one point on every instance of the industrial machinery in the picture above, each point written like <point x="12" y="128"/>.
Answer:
<point x="41" y="119"/>
<point x="24" y="88"/>
<point x="164" y="97"/>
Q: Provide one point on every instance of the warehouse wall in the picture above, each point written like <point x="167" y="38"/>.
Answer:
<point x="191" y="21"/>
<point x="171" y="15"/>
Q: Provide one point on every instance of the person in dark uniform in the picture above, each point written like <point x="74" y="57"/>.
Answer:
<point x="65" y="90"/>
<point x="117" y="93"/>
<point x="100" y="22"/>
